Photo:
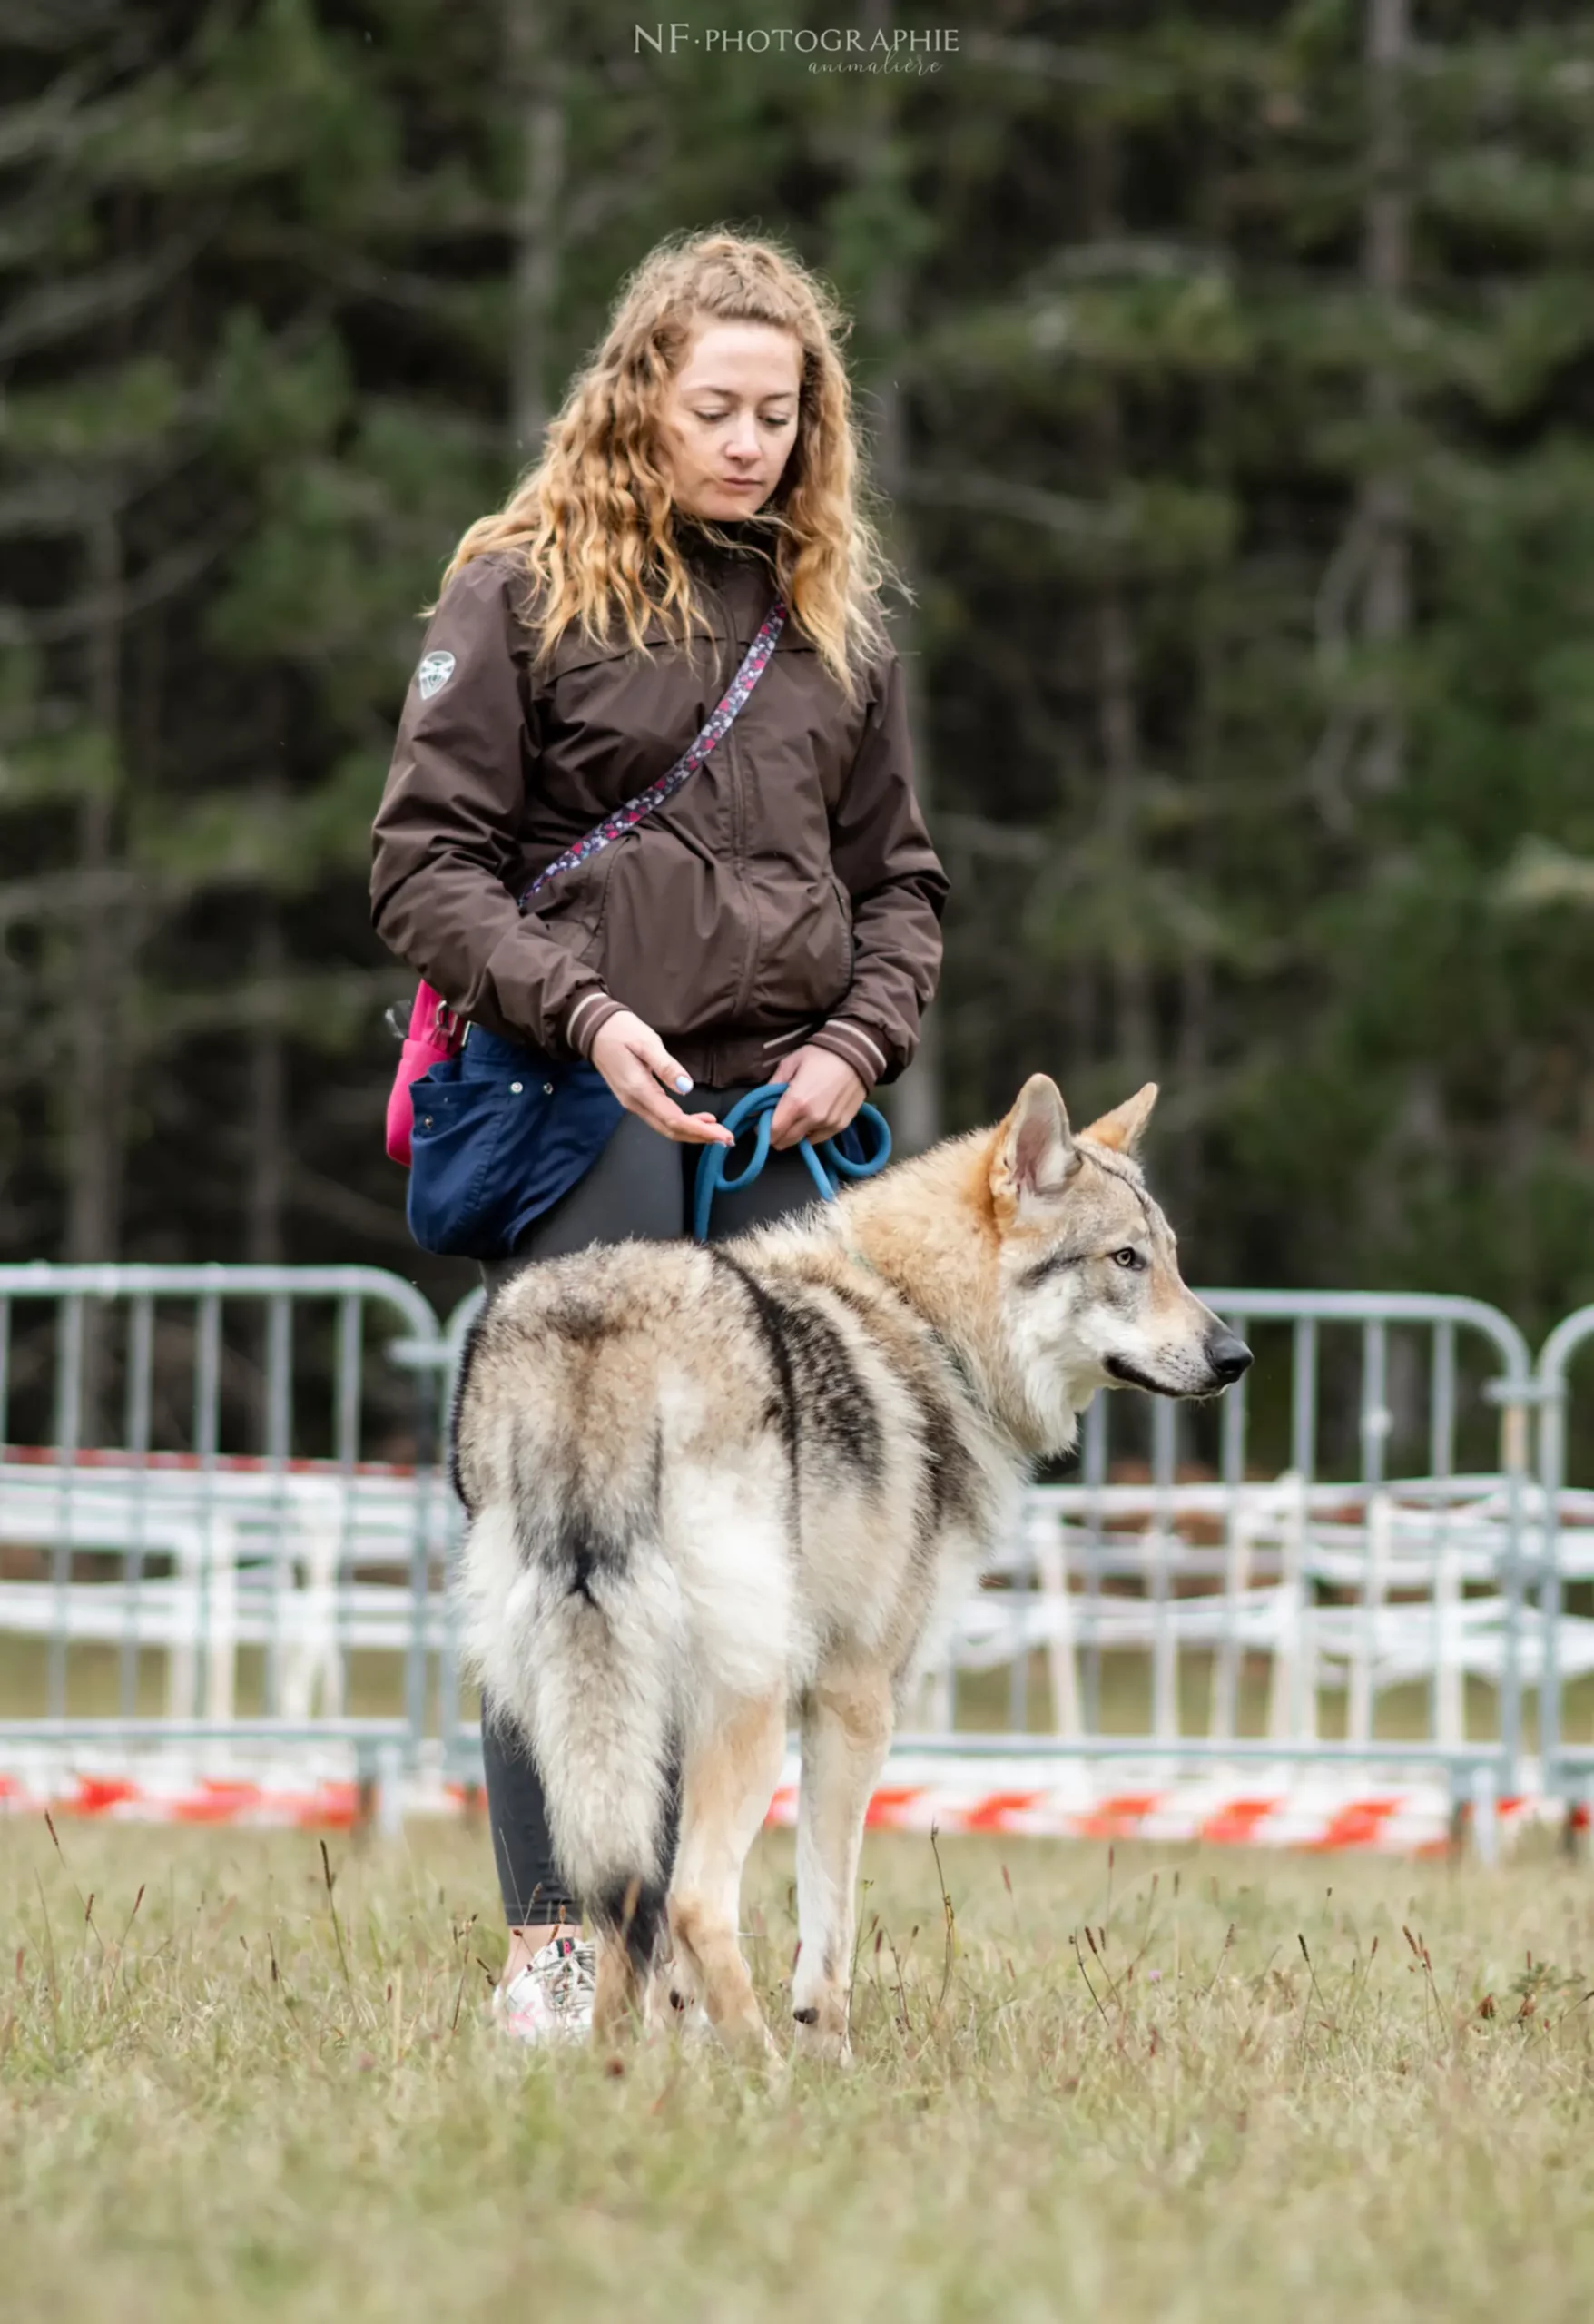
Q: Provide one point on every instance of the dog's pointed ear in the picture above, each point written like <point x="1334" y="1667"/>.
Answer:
<point x="1035" y="1156"/>
<point x="1123" y="1128"/>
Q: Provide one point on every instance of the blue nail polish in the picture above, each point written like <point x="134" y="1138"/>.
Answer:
<point x="682" y="1082"/>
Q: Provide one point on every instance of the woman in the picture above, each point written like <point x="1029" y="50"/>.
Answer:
<point x="778" y="918"/>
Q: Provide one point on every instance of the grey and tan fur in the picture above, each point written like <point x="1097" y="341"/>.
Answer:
<point x="710" y="1486"/>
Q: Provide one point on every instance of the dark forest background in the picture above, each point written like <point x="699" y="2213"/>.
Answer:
<point x="1229" y="372"/>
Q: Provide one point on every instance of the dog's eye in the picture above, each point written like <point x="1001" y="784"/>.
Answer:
<point x="1128" y="1257"/>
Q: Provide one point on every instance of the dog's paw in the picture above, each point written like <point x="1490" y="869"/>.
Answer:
<point x="690" y="2021"/>
<point x="676" y="2015"/>
<point x="827" y="2043"/>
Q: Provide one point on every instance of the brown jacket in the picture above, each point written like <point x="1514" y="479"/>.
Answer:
<point x="788" y="892"/>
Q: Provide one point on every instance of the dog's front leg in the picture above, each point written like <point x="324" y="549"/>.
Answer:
<point x="846" y="1734"/>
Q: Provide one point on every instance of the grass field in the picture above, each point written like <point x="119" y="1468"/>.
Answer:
<point x="1110" y="2089"/>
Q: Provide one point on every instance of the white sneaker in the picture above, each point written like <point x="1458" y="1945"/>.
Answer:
<point x="551" y="1999"/>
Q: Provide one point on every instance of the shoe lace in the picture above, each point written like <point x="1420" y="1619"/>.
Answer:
<point x="570" y="1975"/>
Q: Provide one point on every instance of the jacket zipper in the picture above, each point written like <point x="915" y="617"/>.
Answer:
<point x="845" y="906"/>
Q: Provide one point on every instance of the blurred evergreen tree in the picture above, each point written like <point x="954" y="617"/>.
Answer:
<point x="1229" y="375"/>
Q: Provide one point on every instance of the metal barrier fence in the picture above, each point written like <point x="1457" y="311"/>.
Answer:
<point x="187" y="1477"/>
<point x="225" y="1532"/>
<point x="1318" y="1534"/>
<point x="1565" y="1560"/>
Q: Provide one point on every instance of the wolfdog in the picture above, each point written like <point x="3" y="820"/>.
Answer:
<point x="710" y="1484"/>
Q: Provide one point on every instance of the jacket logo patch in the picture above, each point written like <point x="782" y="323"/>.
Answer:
<point x="434" y="674"/>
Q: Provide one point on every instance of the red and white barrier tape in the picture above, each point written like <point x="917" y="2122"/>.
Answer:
<point x="178" y="1796"/>
<point x="1316" y="1811"/>
<point x="1070" y="1802"/>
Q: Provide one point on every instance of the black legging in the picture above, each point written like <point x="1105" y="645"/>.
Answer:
<point x="641" y="1186"/>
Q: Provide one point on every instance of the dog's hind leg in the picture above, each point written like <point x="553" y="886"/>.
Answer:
<point x="731" y="1768"/>
<point x="626" y="1947"/>
<point x="846" y="1733"/>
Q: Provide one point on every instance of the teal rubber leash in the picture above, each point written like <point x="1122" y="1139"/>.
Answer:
<point x="826" y="1166"/>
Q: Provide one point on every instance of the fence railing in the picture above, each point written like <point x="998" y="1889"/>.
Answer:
<point x="1565" y="1556"/>
<point x="226" y="1528"/>
<point x="1307" y="1572"/>
<point x="222" y="1472"/>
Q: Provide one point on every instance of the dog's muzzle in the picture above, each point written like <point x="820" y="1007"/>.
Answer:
<point x="1225" y="1354"/>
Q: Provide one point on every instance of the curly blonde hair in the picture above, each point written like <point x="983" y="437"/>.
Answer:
<point x="591" y="521"/>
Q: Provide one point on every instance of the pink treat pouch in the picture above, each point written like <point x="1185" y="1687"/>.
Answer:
<point x="435" y="1034"/>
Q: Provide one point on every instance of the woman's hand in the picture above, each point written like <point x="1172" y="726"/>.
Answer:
<point x="822" y="1094"/>
<point x="633" y="1061"/>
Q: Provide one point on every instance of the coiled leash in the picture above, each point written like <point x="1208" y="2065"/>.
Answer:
<point x="827" y="1165"/>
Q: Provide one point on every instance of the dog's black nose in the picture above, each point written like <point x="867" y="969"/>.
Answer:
<point x="1228" y="1357"/>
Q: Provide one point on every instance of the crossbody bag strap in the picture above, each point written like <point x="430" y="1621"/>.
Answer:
<point x="627" y="816"/>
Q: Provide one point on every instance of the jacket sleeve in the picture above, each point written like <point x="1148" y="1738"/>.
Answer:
<point x="883" y="858"/>
<point x="445" y="840"/>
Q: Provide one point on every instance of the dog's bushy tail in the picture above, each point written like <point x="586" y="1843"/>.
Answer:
<point x="576" y="1629"/>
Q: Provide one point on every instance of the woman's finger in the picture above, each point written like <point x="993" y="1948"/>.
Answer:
<point x="635" y="1082"/>
<point x="695" y="1129"/>
<point x="630" y="1056"/>
<point x="655" y="1058"/>
<point x="644" y="1098"/>
<point x="790" y="1129"/>
<point x="815" y="1128"/>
